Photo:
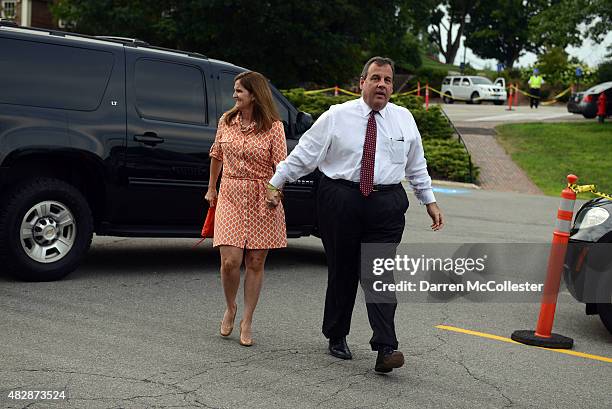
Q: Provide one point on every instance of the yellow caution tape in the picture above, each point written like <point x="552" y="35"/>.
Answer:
<point x="407" y="93"/>
<point x="510" y="88"/>
<point x="353" y="94"/>
<point x="527" y="94"/>
<point x="559" y="95"/>
<point x="454" y="98"/>
<point x="588" y="189"/>
<point x="549" y="102"/>
<point x="348" y="92"/>
<point x="317" y="91"/>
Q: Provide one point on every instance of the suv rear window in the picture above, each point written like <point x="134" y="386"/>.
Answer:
<point x="170" y="92"/>
<point x="52" y="76"/>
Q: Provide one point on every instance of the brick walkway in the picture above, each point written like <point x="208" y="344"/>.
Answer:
<point x="497" y="170"/>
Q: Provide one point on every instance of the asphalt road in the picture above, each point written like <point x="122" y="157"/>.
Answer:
<point x="137" y="327"/>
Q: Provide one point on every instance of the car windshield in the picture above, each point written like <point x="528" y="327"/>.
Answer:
<point x="481" y="81"/>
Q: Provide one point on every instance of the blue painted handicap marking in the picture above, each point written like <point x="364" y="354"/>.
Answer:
<point x="450" y="191"/>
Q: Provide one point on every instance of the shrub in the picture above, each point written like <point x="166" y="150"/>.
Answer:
<point x="432" y="124"/>
<point x="314" y="104"/>
<point x="412" y="102"/>
<point x="447" y="159"/>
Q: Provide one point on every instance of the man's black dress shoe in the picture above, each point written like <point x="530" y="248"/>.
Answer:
<point x="339" y="348"/>
<point x="388" y="359"/>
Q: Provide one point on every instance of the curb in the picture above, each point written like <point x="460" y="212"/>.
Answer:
<point x="455" y="184"/>
<point x="450" y="184"/>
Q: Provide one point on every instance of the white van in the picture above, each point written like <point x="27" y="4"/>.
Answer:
<point x="473" y="89"/>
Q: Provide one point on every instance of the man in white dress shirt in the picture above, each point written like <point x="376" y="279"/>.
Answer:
<point x="364" y="148"/>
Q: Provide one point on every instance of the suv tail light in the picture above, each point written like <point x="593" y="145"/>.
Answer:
<point x="587" y="98"/>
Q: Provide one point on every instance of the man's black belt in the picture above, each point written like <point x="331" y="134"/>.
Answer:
<point x="356" y="184"/>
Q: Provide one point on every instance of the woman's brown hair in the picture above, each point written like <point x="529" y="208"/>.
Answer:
<point x="264" y="108"/>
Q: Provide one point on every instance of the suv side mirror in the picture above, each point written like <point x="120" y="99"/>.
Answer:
<point x="303" y="122"/>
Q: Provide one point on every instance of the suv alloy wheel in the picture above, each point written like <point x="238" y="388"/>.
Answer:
<point x="474" y="98"/>
<point x="46" y="228"/>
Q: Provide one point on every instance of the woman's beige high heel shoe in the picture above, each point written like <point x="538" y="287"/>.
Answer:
<point x="246" y="341"/>
<point x="225" y="331"/>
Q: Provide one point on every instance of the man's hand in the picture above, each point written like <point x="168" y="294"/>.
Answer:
<point x="273" y="197"/>
<point x="211" y="197"/>
<point x="436" y="216"/>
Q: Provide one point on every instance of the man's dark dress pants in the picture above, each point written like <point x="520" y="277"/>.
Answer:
<point x="347" y="219"/>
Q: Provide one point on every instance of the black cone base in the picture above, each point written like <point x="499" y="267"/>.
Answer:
<point x="555" y="341"/>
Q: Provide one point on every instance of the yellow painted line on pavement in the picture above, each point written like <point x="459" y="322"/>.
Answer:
<point x="511" y="341"/>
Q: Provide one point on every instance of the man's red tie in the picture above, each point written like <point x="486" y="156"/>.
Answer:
<point x="366" y="178"/>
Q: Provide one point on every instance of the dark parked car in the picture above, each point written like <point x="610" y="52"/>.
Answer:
<point x="588" y="263"/>
<point x="585" y="102"/>
<point x="111" y="136"/>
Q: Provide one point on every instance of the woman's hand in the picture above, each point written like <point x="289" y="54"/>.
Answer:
<point x="211" y="197"/>
<point x="273" y="198"/>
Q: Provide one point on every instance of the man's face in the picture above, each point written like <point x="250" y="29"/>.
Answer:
<point x="377" y="87"/>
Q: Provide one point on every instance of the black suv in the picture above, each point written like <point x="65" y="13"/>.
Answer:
<point x="111" y="135"/>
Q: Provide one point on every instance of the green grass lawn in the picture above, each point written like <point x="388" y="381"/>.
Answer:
<point x="550" y="151"/>
<point x="427" y="62"/>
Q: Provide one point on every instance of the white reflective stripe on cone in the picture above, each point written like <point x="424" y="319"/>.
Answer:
<point x="567" y="205"/>
<point x="563" y="226"/>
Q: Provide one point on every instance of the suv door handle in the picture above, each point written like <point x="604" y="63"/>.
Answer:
<point x="149" y="138"/>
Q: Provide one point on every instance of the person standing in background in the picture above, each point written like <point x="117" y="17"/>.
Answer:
<point x="535" y="83"/>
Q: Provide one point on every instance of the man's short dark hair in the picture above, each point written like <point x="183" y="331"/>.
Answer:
<point x="378" y="61"/>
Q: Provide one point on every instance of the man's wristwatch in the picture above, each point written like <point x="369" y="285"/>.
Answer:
<point x="270" y="186"/>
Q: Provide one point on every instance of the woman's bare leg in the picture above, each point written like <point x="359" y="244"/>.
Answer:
<point x="231" y="260"/>
<point x="253" y="281"/>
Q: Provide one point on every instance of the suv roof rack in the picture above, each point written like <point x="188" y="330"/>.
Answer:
<point x="124" y="40"/>
<point x="132" y="42"/>
<point x="172" y="50"/>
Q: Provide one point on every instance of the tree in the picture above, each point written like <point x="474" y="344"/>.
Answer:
<point x="599" y="17"/>
<point x="558" y="24"/>
<point x="506" y="29"/>
<point x="500" y="29"/>
<point x="444" y="17"/>
<point x="325" y="41"/>
<point x="553" y="64"/>
<point x="604" y="71"/>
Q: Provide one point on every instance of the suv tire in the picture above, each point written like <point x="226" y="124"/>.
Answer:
<point x="474" y="98"/>
<point x="46" y="228"/>
<point x="448" y="98"/>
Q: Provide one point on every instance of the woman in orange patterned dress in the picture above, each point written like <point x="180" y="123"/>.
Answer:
<point x="250" y="142"/>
